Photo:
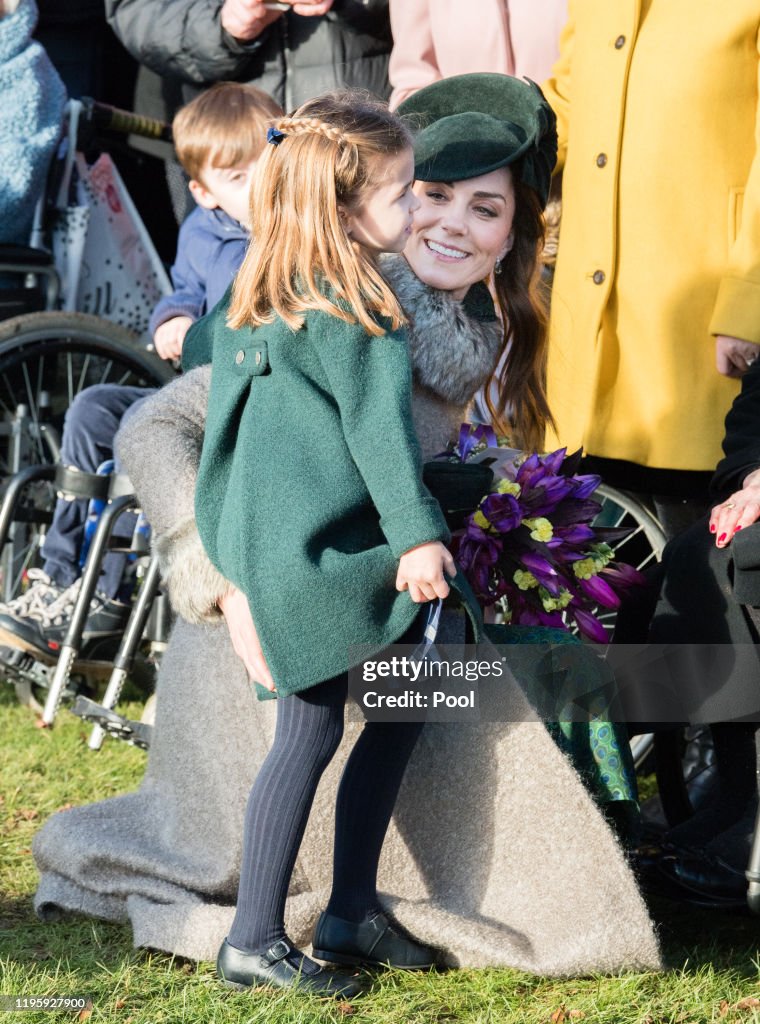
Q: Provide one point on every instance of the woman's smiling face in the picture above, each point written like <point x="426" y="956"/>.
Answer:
<point x="461" y="229"/>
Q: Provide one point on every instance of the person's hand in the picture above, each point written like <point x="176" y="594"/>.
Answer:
<point x="420" y="571"/>
<point x="741" y="509"/>
<point x="311" y="8"/>
<point x="170" y="336"/>
<point x="246" y="19"/>
<point x="245" y="639"/>
<point x="734" y="356"/>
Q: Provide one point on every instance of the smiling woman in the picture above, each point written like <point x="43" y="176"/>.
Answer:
<point x="483" y="160"/>
<point x="462" y="231"/>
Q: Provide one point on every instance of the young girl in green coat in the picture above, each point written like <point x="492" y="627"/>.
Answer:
<point x="311" y="392"/>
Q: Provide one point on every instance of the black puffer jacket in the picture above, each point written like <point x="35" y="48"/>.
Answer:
<point x="294" y="59"/>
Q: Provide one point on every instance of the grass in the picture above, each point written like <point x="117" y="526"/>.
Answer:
<point x="713" y="969"/>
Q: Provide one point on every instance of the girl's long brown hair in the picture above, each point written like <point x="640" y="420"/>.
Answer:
<point x="303" y="258"/>
<point x="522" y="410"/>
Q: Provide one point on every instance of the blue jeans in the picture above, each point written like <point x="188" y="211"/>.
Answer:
<point x="89" y="430"/>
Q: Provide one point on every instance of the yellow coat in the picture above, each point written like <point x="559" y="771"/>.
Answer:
<point x="659" y="249"/>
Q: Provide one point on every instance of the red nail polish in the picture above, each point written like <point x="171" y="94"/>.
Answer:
<point x="712" y="528"/>
<point x="738" y="527"/>
<point x="721" y="538"/>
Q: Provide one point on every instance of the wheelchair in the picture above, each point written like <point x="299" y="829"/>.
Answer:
<point x="44" y="681"/>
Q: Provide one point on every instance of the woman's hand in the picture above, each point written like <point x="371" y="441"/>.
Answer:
<point x="245" y="639"/>
<point x="740" y="510"/>
<point x="420" y="571"/>
<point x="734" y="356"/>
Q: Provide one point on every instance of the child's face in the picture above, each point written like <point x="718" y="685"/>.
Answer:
<point x="382" y="222"/>
<point x="227" y="188"/>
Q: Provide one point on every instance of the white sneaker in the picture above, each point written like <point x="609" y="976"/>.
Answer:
<point x="34" y="602"/>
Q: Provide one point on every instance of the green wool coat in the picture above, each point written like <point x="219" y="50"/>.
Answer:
<point x="323" y="416"/>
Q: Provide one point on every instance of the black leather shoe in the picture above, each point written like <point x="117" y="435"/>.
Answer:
<point x="376" y="941"/>
<point x="707" y="879"/>
<point x="283" y="966"/>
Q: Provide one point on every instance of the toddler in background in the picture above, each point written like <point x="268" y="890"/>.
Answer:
<point x="218" y="137"/>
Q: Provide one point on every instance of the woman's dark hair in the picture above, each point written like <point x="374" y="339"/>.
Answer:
<point x="521" y="409"/>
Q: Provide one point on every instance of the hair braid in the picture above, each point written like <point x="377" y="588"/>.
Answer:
<point x="310" y="126"/>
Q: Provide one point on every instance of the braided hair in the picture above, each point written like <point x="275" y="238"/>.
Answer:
<point x="325" y="159"/>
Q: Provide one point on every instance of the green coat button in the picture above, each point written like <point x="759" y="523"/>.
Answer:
<point x="240" y="357"/>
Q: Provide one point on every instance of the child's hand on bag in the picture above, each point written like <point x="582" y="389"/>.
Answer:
<point x="245" y="639"/>
<point x="420" y="571"/>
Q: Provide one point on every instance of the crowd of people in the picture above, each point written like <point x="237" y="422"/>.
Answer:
<point x="365" y="257"/>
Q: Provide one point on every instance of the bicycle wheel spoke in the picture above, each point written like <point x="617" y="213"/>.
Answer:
<point x="83" y="373"/>
<point x="105" y="377"/>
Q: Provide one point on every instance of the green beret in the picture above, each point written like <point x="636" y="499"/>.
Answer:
<point x="472" y="124"/>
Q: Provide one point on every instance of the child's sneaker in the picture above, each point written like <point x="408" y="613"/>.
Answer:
<point x="39" y="595"/>
<point x="44" y="631"/>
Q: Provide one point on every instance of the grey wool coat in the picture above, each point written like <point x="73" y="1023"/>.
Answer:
<point x="489" y="858"/>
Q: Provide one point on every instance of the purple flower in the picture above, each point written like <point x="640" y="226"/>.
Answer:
<point x="542" y="497"/>
<point x="624" y="575"/>
<point x="478" y="553"/>
<point x="585" y="485"/>
<point x="573" y="511"/>
<point x="543" y="570"/>
<point x="577" y="534"/>
<point x="600" y="592"/>
<point x="502" y="511"/>
<point x="589" y="625"/>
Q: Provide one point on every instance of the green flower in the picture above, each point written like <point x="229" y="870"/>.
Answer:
<point x="602" y="554"/>
<point x="480" y="520"/>
<point x="540" y="528"/>
<point x="552" y="603"/>
<point x="585" y="568"/>
<point x="525" y="580"/>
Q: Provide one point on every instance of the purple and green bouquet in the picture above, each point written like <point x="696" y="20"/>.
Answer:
<point x="530" y="547"/>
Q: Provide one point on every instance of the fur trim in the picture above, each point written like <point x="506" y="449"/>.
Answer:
<point x="453" y="354"/>
<point x="194" y="585"/>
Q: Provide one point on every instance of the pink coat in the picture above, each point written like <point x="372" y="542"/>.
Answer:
<point x="434" y="39"/>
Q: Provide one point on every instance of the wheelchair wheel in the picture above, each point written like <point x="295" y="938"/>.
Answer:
<point x="46" y="359"/>
<point x="641" y="547"/>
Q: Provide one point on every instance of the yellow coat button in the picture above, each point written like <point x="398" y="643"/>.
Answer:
<point x="620" y="42"/>
<point x="599" y="277"/>
<point x="240" y="357"/>
<point x="601" y="160"/>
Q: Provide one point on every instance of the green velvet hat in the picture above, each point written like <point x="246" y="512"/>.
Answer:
<point x="472" y="124"/>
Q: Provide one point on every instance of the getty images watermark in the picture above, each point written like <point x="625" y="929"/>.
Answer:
<point x="557" y="682"/>
<point x="437" y="683"/>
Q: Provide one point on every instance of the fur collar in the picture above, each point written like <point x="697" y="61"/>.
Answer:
<point x="453" y="351"/>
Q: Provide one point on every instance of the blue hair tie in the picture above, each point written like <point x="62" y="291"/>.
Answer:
<point x="275" y="136"/>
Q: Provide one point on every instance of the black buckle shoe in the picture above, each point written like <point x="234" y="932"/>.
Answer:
<point x="283" y="966"/>
<point x="376" y="941"/>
